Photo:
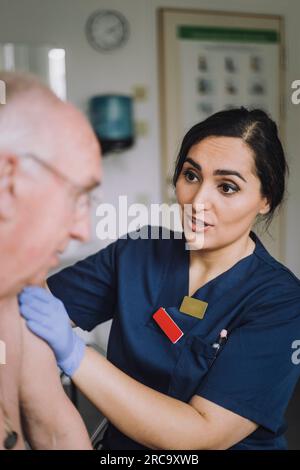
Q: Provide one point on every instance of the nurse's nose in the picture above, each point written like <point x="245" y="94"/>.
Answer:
<point x="203" y="198"/>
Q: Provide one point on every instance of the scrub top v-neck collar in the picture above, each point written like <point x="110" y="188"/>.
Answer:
<point x="215" y="288"/>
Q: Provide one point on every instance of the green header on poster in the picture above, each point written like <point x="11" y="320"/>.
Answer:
<point x="207" y="33"/>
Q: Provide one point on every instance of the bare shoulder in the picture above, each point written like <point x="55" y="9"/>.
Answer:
<point x="50" y="419"/>
<point x="11" y="337"/>
<point x="30" y="386"/>
<point x="35" y="351"/>
<point x="39" y="372"/>
<point x="39" y="377"/>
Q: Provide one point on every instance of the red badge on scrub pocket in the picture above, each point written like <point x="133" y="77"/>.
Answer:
<point x="167" y="324"/>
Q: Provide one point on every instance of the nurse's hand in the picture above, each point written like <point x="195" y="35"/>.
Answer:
<point x="46" y="316"/>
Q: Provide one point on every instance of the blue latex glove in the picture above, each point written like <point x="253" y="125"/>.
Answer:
<point x="46" y="316"/>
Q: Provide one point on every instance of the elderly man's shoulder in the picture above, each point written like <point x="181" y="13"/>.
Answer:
<point x="10" y="368"/>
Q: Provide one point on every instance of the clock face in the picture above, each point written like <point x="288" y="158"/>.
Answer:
<point x="107" y="30"/>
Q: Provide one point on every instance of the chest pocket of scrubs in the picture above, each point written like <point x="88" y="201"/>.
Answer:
<point x="193" y="363"/>
<point x="189" y="359"/>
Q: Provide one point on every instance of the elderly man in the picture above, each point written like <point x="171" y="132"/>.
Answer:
<point x="49" y="162"/>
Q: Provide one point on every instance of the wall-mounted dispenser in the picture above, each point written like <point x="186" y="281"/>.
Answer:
<point x="112" y="120"/>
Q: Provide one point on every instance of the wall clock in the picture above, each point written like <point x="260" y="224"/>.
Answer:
<point x="107" y="30"/>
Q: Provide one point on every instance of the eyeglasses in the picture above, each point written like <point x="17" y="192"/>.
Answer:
<point x="85" y="196"/>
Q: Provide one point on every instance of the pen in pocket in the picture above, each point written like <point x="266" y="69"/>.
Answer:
<point x="222" y="339"/>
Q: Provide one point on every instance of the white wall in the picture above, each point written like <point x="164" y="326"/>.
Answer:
<point x="137" y="172"/>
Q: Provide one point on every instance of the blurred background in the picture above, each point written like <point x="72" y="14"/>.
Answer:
<point x="110" y="65"/>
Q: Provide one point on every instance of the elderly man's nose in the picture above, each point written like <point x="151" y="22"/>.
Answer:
<point x="81" y="229"/>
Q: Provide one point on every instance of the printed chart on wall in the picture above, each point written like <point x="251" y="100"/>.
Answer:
<point x="210" y="61"/>
<point x="222" y="68"/>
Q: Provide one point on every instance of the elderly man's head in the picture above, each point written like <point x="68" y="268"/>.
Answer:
<point x="49" y="161"/>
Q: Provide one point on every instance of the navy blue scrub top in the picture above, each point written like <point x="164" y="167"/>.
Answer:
<point x="257" y="300"/>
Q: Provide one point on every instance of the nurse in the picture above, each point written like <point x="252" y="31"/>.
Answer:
<point x="226" y="380"/>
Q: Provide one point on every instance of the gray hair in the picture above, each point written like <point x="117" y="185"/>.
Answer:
<point x="17" y="119"/>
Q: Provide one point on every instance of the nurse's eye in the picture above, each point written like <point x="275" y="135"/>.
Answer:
<point x="229" y="189"/>
<point x="190" y="176"/>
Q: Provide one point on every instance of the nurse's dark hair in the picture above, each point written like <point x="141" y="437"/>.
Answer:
<point x="260" y="133"/>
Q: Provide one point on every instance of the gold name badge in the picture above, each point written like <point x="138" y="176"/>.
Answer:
<point x="194" y="307"/>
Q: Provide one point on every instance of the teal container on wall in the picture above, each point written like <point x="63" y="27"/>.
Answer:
<point x="112" y="119"/>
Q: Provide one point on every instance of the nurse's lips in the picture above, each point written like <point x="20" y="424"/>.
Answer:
<point x="199" y="225"/>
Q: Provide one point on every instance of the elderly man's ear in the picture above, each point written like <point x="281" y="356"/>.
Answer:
<point x="8" y="169"/>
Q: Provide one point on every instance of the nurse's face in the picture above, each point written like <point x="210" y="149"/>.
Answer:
<point x="218" y="181"/>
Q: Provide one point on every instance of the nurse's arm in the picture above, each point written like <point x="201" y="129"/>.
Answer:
<point x="50" y="420"/>
<point x="153" y="419"/>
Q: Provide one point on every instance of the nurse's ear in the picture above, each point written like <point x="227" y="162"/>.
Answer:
<point x="8" y="166"/>
<point x="265" y="206"/>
